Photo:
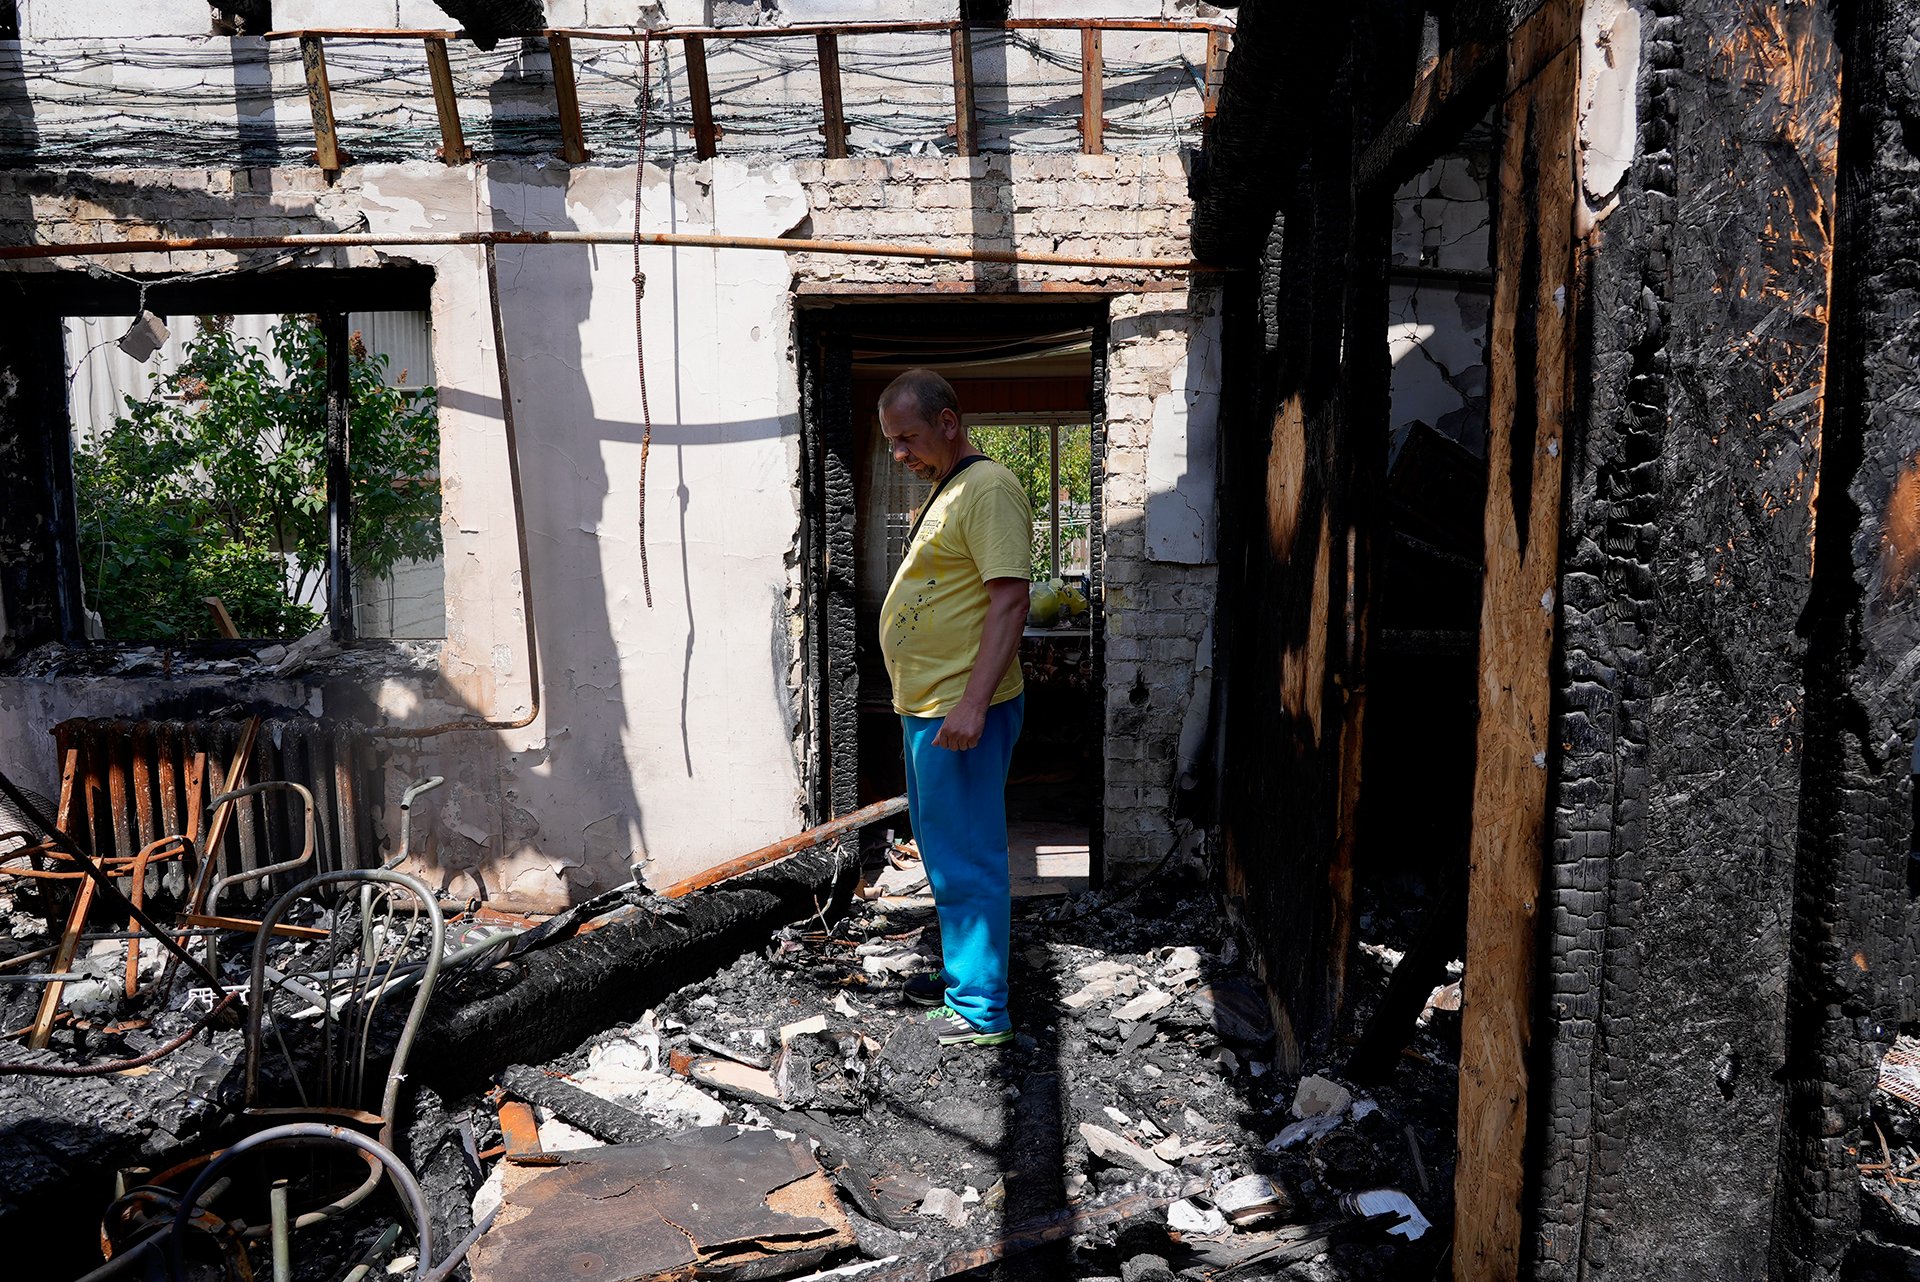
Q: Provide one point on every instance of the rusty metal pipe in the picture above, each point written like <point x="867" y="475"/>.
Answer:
<point x="625" y="36"/>
<point x="673" y="240"/>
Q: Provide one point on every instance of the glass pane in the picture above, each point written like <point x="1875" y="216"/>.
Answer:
<point x="399" y="580"/>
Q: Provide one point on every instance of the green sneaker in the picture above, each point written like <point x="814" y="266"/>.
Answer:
<point x="928" y="988"/>
<point x="956" y="1031"/>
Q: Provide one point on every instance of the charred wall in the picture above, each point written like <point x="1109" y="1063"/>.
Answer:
<point x="1720" y="958"/>
<point x="1724" y="924"/>
<point x="1851" y="973"/>
<point x="1304" y="440"/>
<point x="34" y="533"/>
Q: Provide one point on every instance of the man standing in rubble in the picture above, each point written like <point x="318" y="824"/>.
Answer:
<point x="949" y="632"/>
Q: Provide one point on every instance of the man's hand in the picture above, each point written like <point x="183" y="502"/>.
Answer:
<point x="962" y="728"/>
<point x="999" y="642"/>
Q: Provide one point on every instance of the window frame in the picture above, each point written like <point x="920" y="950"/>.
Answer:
<point x="330" y="293"/>
<point x="1053" y="420"/>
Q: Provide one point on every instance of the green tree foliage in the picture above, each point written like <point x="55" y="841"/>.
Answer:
<point x="1024" y="452"/>
<point x="215" y="485"/>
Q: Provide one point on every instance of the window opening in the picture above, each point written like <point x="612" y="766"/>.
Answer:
<point x="1415" y="808"/>
<point x="205" y="470"/>
<point x="1052" y="458"/>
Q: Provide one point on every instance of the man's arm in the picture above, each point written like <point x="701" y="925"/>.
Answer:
<point x="999" y="642"/>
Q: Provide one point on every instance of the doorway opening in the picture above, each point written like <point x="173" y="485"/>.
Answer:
<point x="1028" y="381"/>
<point x="1415" y="810"/>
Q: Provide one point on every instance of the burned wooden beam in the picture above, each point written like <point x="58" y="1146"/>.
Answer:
<point x="558" y="994"/>
<point x="787" y="847"/>
<point x="575" y="1107"/>
<point x="832" y="109"/>
<point x="573" y="144"/>
<point x="446" y="106"/>
<point x="706" y="135"/>
<point x="1092" y="93"/>
<point x="1534" y="374"/>
<point x="326" y="139"/>
<point x="965" y="141"/>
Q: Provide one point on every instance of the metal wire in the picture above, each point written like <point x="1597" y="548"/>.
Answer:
<point x="93" y="107"/>
<point x="344" y="1049"/>
<point x="639" y="322"/>
<point x="297" y="1133"/>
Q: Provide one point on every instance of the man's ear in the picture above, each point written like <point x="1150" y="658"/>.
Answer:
<point x="949" y="424"/>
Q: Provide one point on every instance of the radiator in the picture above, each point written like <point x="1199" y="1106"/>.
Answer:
<point x="125" y="783"/>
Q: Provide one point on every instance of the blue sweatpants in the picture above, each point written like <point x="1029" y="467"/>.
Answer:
<point x="958" y="803"/>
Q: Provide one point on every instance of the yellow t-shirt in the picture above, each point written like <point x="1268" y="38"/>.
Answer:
<point x="978" y="528"/>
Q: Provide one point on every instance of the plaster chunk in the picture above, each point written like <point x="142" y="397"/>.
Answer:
<point x="1609" y="93"/>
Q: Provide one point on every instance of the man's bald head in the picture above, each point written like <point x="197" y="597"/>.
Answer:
<point x="923" y="393"/>
<point x="920" y="417"/>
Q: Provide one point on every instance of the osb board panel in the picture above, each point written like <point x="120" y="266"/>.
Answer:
<point x="1535" y="301"/>
<point x="702" y="1203"/>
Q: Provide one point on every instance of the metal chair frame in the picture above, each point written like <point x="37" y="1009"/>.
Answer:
<point x="378" y="947"/>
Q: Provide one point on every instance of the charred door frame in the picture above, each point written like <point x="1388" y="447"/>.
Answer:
<point x="1533" y="348"/>
<point x="827" y="440"/>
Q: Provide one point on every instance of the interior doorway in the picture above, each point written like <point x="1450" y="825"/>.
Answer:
<point x="1028" y="381"/>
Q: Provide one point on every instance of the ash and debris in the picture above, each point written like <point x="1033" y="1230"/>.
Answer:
<point x="1889" y="1172"/>
<point x="308" y="658"/>
<point x="1143" y="1046"/>
<point x="1145" y="1060"/>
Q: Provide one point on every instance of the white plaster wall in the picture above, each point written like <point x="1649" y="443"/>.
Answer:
<point x="1183" y="447"/>
<point x="69" y="19"/>
<point x="288" y="14"/>
<point x="666" y="733"/>
<point x="669" y="734"/>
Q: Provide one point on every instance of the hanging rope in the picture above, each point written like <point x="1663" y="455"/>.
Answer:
<point x="639" y="293"/>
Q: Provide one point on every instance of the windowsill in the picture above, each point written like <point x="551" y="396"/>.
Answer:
<point x="1058" y="634"/>
<point x="236" y="660"/>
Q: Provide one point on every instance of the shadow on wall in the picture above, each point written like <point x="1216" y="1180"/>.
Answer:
<point x="256" y="128"/>
<point x="19" y="134"/>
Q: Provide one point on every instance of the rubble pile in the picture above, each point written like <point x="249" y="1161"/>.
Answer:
<point x="1144" y="1123"/>
<point x="1144" y="1069"/>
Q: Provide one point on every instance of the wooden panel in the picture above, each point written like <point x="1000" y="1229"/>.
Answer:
<point x="1535" y="299"/>
<point x="573" y="143"/>
<point x="965" y="140"/>
<point x="326" y="140"/>
<point x="1092" y="92"/>
<point x="832" y="107"/>
<point x="453" y="140"/>
<point x="706" y="136"/>
<point x="1216" y="64"/>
